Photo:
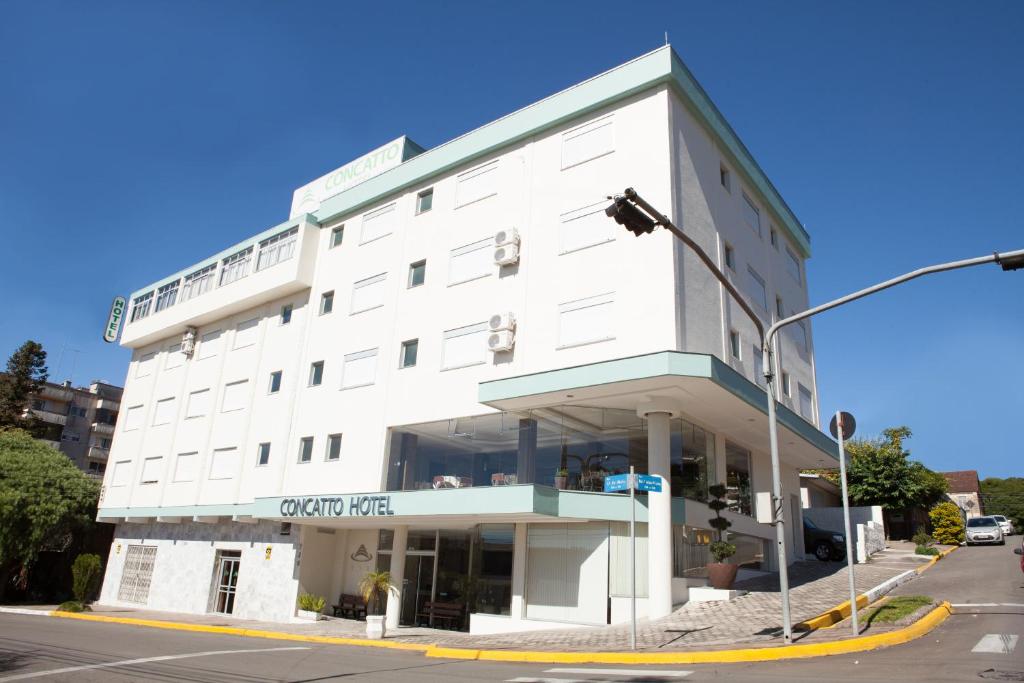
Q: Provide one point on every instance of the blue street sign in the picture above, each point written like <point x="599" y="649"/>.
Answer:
<point x="647" y="482"/>
<point x="616" y="482"/>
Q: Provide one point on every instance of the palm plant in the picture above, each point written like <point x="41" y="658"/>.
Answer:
<point x="375" y="587"/>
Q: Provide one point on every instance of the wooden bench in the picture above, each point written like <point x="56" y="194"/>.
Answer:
<point x="351" y="606"/>
<point x="450" y="613"/>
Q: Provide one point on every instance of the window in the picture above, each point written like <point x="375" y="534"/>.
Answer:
<point x="589" y="141"/>
<point x="316" y="373"/>
<point x="151" y="470"/>
<point x="585" y="227"/>
<point x="758" y="367"/>
<point x="793" y="264"/>
<point x="785" y="384"/>
<point x="476" y="184"/>
<point x="417" y="274"/>
<point x="275" y="382"/>
<point x="164" y="412"/>
<point x="305" y="449"/>
<point x="245" y="333"/>
<point x="38" y="404"/>
<point x="137" y="574"/>
<point x="122" y="473"/>
<point x="756" y="288"/>
<point x="751" y="215"/>
<point x="166" y="295"/>
<point x="734" y="344"/>
<point x="738" y="484"/>
<point x="471" y="261"/>
<point x="333" y="447"/>
<point x="585" y="321"/>
<point x="175" y="358"/>
<point x="359" y="369"/>
<point x="133" y="418"/>
<point x="730" y="257"/>
<point x="774" y="236"/>
<point x="144" y="368"/>
<point x="236" y="396"/>
<point x="286" y="314"/>
<point x="263" y="454"/>
<point x="409" y="350"/>
<point x="209" y="344"/>
<point x="799" y="334"/>
<point x="199" y="282"/>
<point x="235" y="267"/>
<point x="725" y="178"/>
<point x="185" y="466"/>
<point x="369" y="293"/>
<point x="276" y="249"/>
<point x="378" y="223"/>
<point x="806" y="402"/>
<point x="465" y="346"/>
<point x="780" y="312"/>
<point x="326" y="302"/>
<point x="140" y="306"/>
<point x="337" y="236"/>
<point x="198" y="403"/>
<point x="224" y="463"/>
<point x="425" y="200"/>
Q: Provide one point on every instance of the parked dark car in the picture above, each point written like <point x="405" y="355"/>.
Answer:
<point x="824" y="543"/>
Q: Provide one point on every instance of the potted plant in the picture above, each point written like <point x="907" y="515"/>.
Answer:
<point x="310" y="606"/>
<point x="720" y="573"/>
<point x="561" y="477"/>
<point x="375" y="587"/>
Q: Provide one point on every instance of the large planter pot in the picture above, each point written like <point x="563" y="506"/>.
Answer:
<point x="560" y="482"/>
<point x="722" y="575"/>
<point x="375" y="626"/>
<point x="309" y="615"/>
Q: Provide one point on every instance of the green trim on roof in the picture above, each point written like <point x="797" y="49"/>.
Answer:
<point x="225" y="510"/>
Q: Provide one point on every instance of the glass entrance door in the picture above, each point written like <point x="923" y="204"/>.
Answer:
<point x="417" y="589"/>
<point x="227" y="581"/>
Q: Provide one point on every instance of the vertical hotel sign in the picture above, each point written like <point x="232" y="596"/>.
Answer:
<point x="308" y="198"/>
<point x="113" y="327"/>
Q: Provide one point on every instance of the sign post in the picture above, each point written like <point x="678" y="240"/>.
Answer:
<point x="842" y="428"/>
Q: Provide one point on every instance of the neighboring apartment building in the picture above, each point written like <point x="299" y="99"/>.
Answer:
<point x="79" y="421"/>
<point x="818" y="492"/>
<point x="431" y="371"/>
<point x="965" y="491"/>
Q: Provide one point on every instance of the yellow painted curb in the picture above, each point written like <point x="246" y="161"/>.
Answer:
<point x="928" y="565"/>
<point x="836" y="647"/>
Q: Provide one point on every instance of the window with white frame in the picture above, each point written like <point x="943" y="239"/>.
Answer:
<point x="756" y="288"/>
<point x="368" y="293"/>
<point x="151" y="470"/>
<point x="806" y="402"/>
<point x="276" y="249"/>
<point x="186" y="466"/>
<point x="224" y="463"/>
<point x="333" y="447"/>
<point x="585" y="321"/>
<point x="286" y="314"/>
<point x="337" y="236"/>
<point x="359" y="369"/>
<point x="133" y="418"/>
<point x="263" y="454"/>
<point x="425" y="200"/>
<point x="734" y="344"/>
<point x="235" y="267"/>
<point x="209" y="344"/>
<point x="751" y="215"/>
<point x="780" y="311"/>
<point x="785" y="384"/>
<point x="236" y="396"/>
<point x="793" y="264"/>
<point x="774" y="236"/>
<point x="464" y="346"/>
<point x="730" y="256"/>
<point x="199" y="282"/>
<point x="144" y="367"/>
<point x="417" y="274"/>
<point x="305" y="449"/>
<point x="591" y="140"/>
<point x="476" y="184"/>
<point x="163" y="412"/>
<point x="326" y="302"/>
<point x="275" y="382"/>
<point x="725" y="178"/>
<point x="140" y="306"/>
<point x="245" y="333"/>
<point x="379" y="223"/>
<point x="166" y="295"/>
<point x="316" y="373"/>
<point x="198" y="403"/>
<point x="122" y="473"/>
<point x="758" y="366"/>
<point x="175" y="358"/>
<point x="471" y="261"/>
<point x="584" y="227"/>
<point x="798" y="332"/>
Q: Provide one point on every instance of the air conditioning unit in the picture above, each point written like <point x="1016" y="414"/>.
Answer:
<point x="502" y="321"/>
<point x="502" y="340"/>
<point x="506" y="254"/>
<point x="188" y="342"/>
<point x="506" y="236"/>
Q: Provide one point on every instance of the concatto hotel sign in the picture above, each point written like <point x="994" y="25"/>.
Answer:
<point x="337" y="506"/>
<point x="308" y="198"/>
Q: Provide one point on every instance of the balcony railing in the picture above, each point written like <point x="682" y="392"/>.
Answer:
<point x="108" y="404"/>
<point x="48" y="416"/>
<point x="98" y="453"/>
<point x="56" y="393"/>
<point x="102" y="428"/>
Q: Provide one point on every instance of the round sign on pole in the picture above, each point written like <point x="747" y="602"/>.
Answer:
<point x="849" y="426"/>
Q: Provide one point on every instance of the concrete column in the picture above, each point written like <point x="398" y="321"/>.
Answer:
<point x="659" y="509"/>
<point x="398" y="547"/>
<point x="518" y="607"/>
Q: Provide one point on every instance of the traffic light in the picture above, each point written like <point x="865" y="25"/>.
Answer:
<point x="629" y="215"/>
<point x="1014" y="261"/>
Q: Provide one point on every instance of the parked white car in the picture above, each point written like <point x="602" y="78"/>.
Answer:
<point x="984" y="530"/>
<point x="1004" y="524"/>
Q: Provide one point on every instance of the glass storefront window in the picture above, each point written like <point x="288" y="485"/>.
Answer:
<point x="693" y="460"/>
<point x="491" y="576"/>
<point x="737" y="479"/>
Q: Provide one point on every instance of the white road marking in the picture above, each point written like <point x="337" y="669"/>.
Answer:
<point x="527" y="679"/>
<point x="996" y="643"/>
<point x="144" y="660"/>
<point x="988" y="604"/>
<point x="623" y="672"/>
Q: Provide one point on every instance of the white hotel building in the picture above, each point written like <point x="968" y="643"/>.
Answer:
<point x="433" y="363"/>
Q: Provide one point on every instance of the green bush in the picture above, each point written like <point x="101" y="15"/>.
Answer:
<point x="85" y="576"/>
<point x="921" y="538"/>
<point x="73" y="606"/>
<point x="926" y="550"/>
<point x="311" y="603"/>
<point x="947" y="524"/>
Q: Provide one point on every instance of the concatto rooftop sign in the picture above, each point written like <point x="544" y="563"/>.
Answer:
<point x="308" y="198"/>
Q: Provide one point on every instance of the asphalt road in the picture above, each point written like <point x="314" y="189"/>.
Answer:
<point x="47" y="649"/>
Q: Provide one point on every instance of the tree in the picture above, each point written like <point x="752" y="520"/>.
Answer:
<point x="880" y="473"/>
<point x="947" y="523"/>
<point x="26" y="374"/>
<point x="45" y="502"/>
<point x="1004" y="497"/>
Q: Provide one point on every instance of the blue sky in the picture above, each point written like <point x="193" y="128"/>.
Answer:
<point x="135" y="138"/>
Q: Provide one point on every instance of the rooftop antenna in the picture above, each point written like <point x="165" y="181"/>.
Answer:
<point x="666" y="37"/>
